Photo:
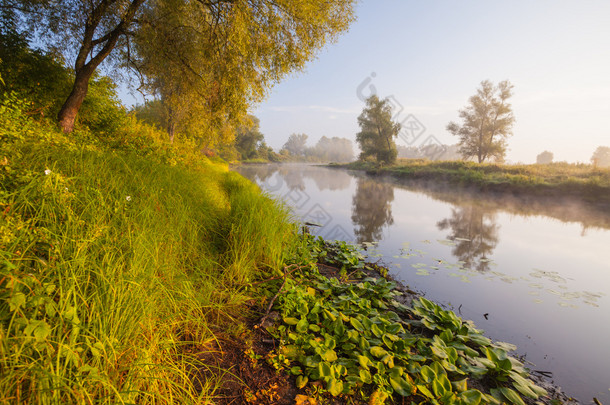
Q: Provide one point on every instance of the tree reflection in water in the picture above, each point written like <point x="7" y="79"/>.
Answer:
<point x="371" y="209"/>
<point x="475" y="233"/>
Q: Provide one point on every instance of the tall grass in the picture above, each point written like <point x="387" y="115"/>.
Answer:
<point x="112" y="263"/>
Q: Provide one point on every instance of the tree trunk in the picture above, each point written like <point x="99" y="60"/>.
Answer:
<point x="171" y="130"/>
<point x="67" y="114"/>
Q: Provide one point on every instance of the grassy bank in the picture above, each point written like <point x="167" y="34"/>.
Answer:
<point x="120" y="262"/>
<point x="556" y="179"/>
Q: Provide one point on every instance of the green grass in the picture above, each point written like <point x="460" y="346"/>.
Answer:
<point x="113" y="262"/>
<point x="577" y="180"/>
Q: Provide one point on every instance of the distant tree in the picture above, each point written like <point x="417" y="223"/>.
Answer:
<point x="601" y="156"/>
<point x="544" y="158"/>
<point x="296" y="145"/>
<point x="486" y="122"/>
<point x="333" y="149"/>
<point x="266" y="152"/>
<point x="377" y="131"/>
<point x="248" y="138"/>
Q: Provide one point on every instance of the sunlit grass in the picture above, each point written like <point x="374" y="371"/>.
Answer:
<point x="111" y="263"/>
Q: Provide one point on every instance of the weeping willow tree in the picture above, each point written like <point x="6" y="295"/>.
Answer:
<point x="207" y="60"/>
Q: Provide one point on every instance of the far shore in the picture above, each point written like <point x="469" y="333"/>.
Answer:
<point x="575" y="181"/>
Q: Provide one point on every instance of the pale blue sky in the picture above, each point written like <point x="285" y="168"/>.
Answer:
<point x="432" y="55"/>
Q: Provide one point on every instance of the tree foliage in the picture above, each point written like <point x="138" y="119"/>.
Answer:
<point x="34" y="75"/>
<point x="212" y="57"/>
<point x="333" y="149"/>
<point x="296" y="145"/>
<point x="544" y="158"/>
<point x="377" y="131"/>
<point x="601" y="156"/>
<point x="249" y="138"/>
<point x="487" y="121"/>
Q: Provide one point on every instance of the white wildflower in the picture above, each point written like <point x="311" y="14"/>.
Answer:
<point x="128" y="198"/>
<point x="47" y="172"/>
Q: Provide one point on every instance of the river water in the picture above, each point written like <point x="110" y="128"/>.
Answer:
<point x="535" y="273"/>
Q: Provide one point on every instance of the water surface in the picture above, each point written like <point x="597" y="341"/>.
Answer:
<point x="535" y="273"/>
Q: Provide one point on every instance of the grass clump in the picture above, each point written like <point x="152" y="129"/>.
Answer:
<point x="117" y="254"/>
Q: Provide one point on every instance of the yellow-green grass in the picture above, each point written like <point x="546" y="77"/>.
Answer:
<point x="112" y="263"/>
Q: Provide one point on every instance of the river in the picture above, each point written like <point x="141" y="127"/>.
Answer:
<point x="535" y="273"/>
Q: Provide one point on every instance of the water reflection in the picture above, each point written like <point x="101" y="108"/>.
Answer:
<point x="293" y="176"/>
<point x="474" y="232"/>
<point x="371" y="209"/>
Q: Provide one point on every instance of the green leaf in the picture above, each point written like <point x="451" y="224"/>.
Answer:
<point x="376" y="330"/>
<point x="335" y="387"/>
<point x="301" y="381"/>
<point x="365" y="376"/>
<point x="356" y="324"/>
<point x="479" y="339"/>
<point x="401" y="386"/>
<point x="324" y="369"/>
<point x="302" y="326"/>
<point x="16" y="301"/>
<point x="42" y="330"/>
<point x="329" y="355"/>
<point x="460" y="385"/>
<point x="441" y="385"/>
<point x="424" y="390"/>
<point x="512" y="396"/>
<point x="363" y="361"/>
<point x="378" y="351"/>
<point x="427" y="374"/>
<point x="471" y="397"/>
<point x="314" y="328"/>
<point x="291" y="321"/>
<point x="296" y="370"/>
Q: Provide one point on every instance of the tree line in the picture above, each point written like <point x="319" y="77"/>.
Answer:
<point x="486" y="124"/>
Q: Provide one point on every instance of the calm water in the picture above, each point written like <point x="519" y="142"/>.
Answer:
<point x="533" y="273"/>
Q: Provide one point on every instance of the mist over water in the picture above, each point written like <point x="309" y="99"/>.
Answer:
<point x="528" y="271"/>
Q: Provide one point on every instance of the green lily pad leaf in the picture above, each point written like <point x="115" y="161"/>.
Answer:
<point x="365" y="376"/>
<point x="302" y="381"/>
<point x="512" y="396"/>
<point x="356" y="324"/>
<point x="335" y="387"/>
<point x="324" y="369"/>
<point x="378" y="351"/>
<point x="471" y="397"/>
<point x="376" y="330"/>
<point x="461" y="385"/>
<point x="427" y="374"/>
<point x="329" y="355"/>
<point x="364" y="362"/>
<point x="401" y="386"/>
<point x="424" y="390"/>
<point x="291" y="321"/>
<point x="302" y="326"/>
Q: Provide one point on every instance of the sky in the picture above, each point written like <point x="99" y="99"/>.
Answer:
<point x="429" y="57"/>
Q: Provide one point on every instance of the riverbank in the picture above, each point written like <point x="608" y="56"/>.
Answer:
<point x="578" y="181"/>
<point x="124" y="263"/>
<point x="347" y="330"/>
